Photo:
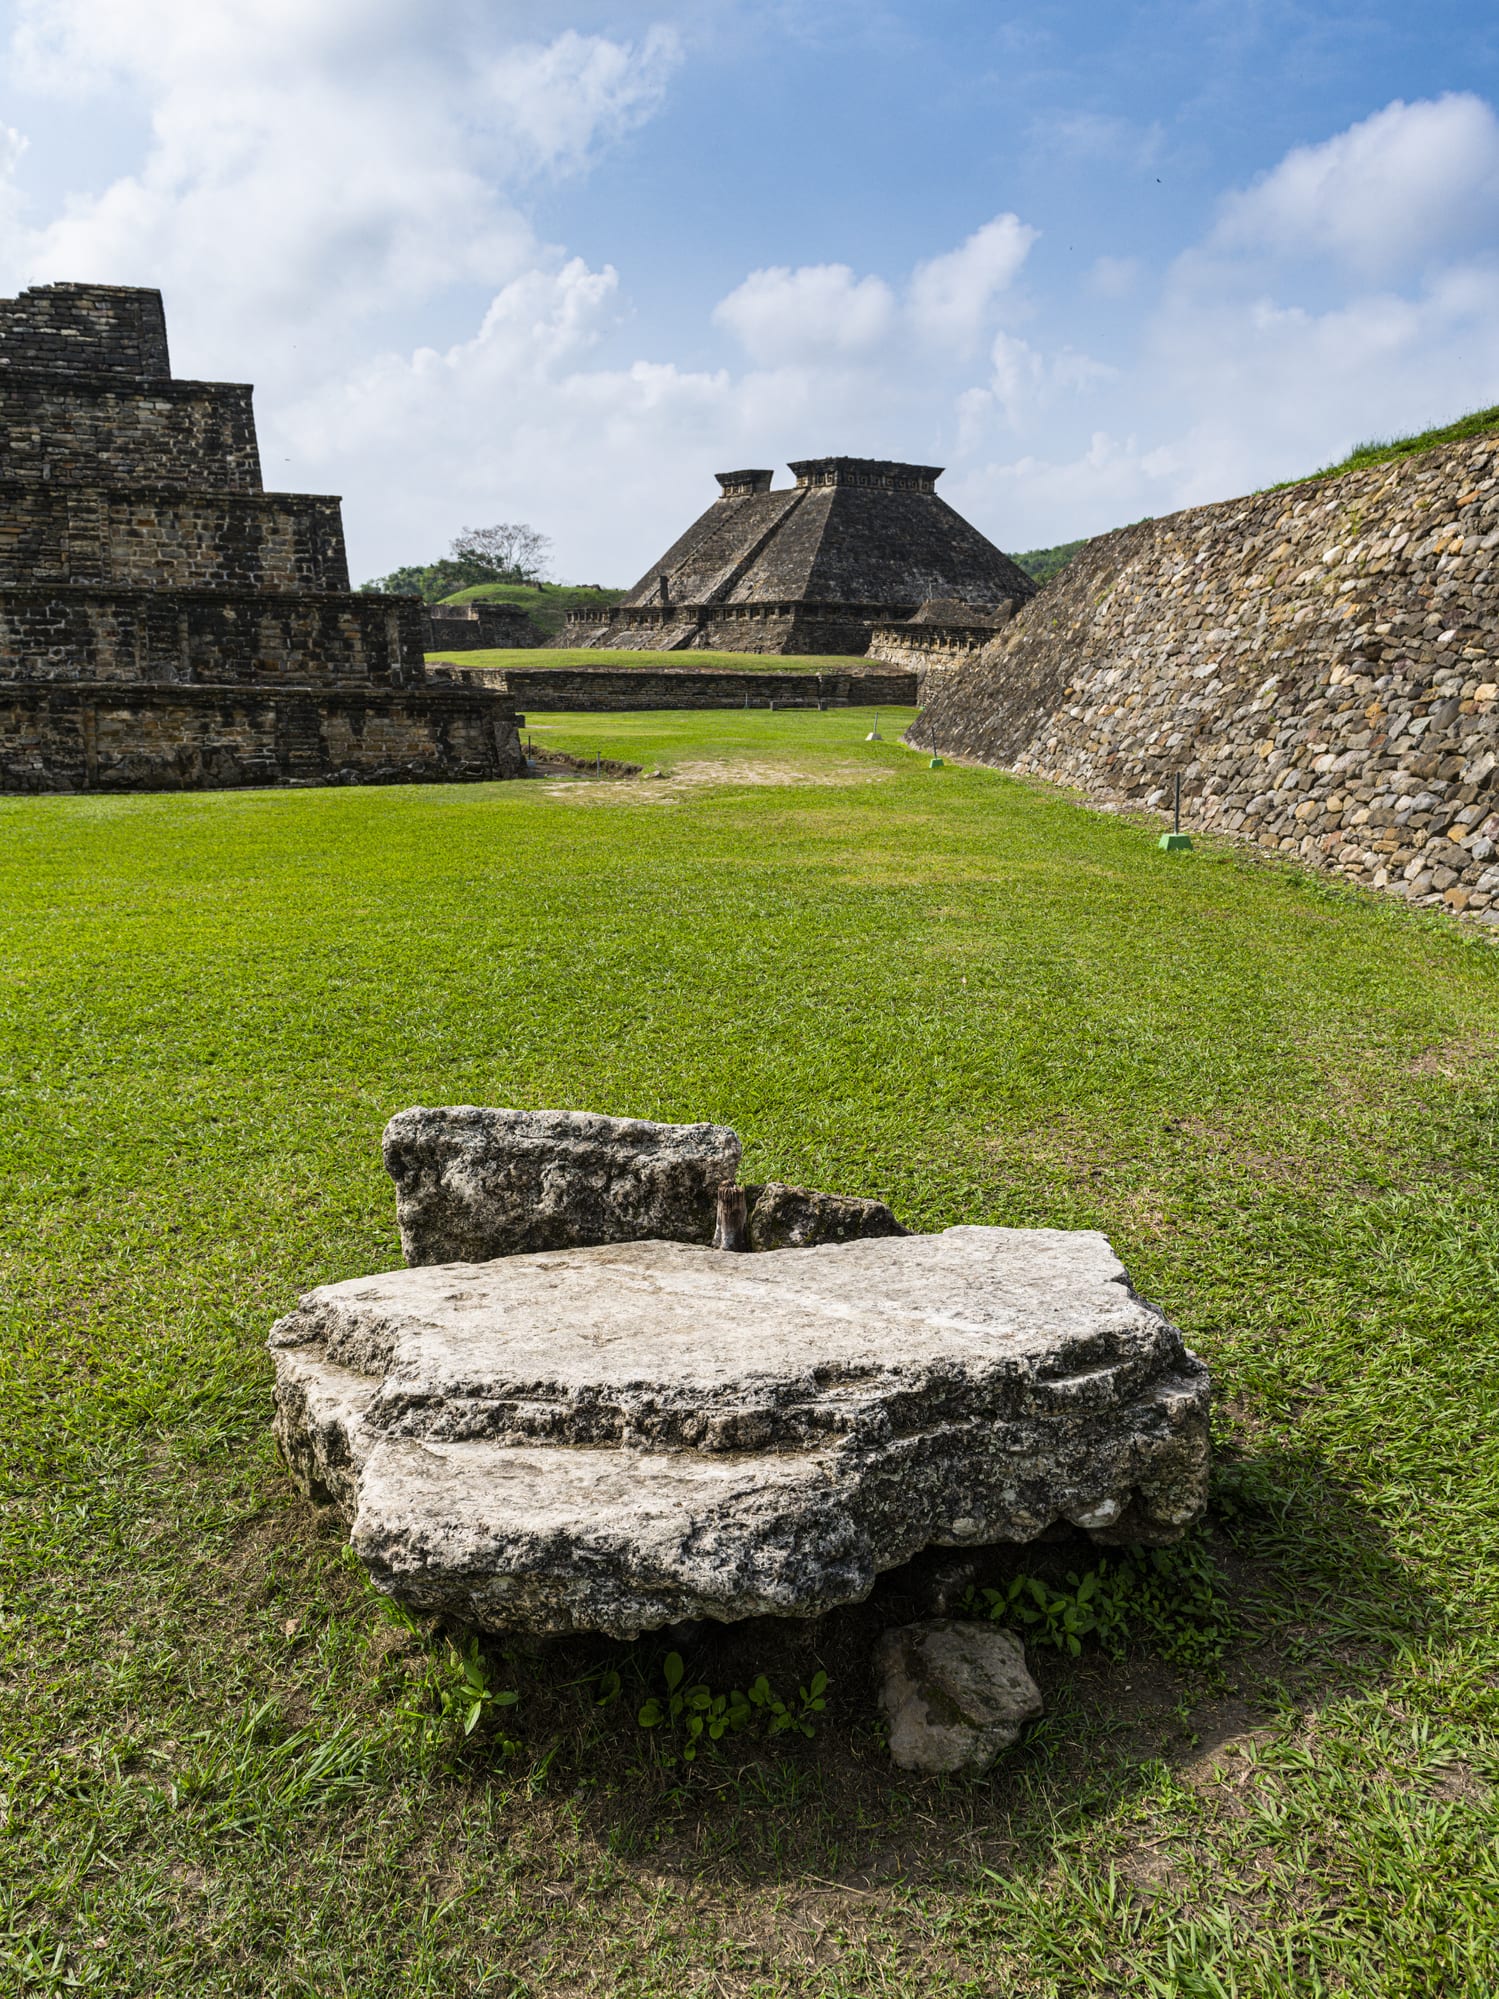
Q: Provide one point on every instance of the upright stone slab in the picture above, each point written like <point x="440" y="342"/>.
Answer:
<point x="476" y="1183"/>
<point x="617" y="1438"/>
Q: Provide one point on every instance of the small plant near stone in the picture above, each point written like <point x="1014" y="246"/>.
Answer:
<point x="465" y="1688"/>
<point x="1169" y="1599"/>
<point x="696" y="1712"/>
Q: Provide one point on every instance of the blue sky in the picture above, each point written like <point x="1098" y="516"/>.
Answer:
<point x="561" y="263"/>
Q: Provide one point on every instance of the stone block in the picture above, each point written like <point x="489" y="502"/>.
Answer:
<point x="474" y="1183"/>
<point x="955" y="1695"/>
<point x="782" y="1217"/>
<point x="623" y="1437"/>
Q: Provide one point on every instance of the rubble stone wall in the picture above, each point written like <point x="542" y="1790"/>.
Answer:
<point x="62" y="633"/>
<point x="174" y="540"/>
<point x="62" y="736"/>
<point x="1320" y="664"/>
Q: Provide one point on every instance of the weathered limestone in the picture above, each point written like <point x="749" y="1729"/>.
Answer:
<point x="627" y="1436"/>
<point x="472" y="1183"/>
<point x="783" y="1217"/>
<point x="955" y="1695"/>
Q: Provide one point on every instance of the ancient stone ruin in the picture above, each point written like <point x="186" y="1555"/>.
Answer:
<point x="855" y="544"/>
<point x="1317" y="663"/>
<point x="615" y="1434"/>
<point x="480" y="627"/>
<point x="165" y="623"/>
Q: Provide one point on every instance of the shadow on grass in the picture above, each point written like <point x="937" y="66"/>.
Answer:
<point x="1321" y="1608"/>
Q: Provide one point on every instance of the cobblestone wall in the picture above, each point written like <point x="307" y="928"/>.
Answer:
<point x="1318" y="663"/>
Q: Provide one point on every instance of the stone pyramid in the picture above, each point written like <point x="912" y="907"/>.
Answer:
<point x="167" y="624"/>
<point x="811" y="568"/>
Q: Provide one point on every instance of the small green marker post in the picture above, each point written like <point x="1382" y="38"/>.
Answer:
<point x="1176" y="841"/>
<point x="874" y="735"/>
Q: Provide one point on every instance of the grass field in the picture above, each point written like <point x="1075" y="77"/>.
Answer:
<point x="736" y="662"/>
<point x="229" y="1770"/>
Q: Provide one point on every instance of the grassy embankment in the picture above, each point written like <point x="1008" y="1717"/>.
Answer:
<point x="545" y="604"/>
<point x="228" y="1770"/>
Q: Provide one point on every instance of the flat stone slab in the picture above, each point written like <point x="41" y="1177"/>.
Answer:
<point x="621" y="1437"/>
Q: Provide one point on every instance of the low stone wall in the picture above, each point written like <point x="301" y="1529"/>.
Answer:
<point x="925" y="648"/>
<point x="63" y="632"/>
<point x="611" y="690"/>
<point x="1320" y="664"/>
<point x="57" y="737"/>
<point x="814" y="630"/>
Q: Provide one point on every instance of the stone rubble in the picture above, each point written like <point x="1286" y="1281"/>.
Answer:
<point x="782" y="1217"/>
<point x="955" y="1694"/>
<point x="635" y="1435"/>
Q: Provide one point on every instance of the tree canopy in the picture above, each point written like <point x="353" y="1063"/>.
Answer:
<point x="508" y="552"/>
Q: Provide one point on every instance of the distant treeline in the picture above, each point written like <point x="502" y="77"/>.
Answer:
<point x="1043" y="563"/>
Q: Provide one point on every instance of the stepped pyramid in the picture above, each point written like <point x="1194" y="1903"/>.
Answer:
<point x="810" y="568"/>
<point x="165" y="623"/>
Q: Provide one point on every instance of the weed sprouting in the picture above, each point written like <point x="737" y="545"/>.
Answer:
<point x="698" y="1714"/>
<point x="465" y="1690"/>
<point x="1170" y="1600"/>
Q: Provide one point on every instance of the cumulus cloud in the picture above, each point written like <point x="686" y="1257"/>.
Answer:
<point x="323" y="185"/>
<point x="1412" y="183"/>
<point x="783" y="315"/>
<point x="315" y="162"/>
<point x="950" y="297"/>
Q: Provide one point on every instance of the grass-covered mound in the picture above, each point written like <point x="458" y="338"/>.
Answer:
<point x="546" y="604"/>
<point x="1381" y="450"/>
<point x="689" y="662"/>
<point x="1268" y="1768"/>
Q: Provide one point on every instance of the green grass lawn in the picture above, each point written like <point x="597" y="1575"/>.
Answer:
<point x="735" y="662"/>
<point x="228" y="1769"/>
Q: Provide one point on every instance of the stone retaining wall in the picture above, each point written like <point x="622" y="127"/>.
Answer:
<point x="1318" y="663"/>
<point x="612" y="690"/>
<point x="148" y="538"/>
<point x="71" y="633"/>
<point x="61" y="737"/>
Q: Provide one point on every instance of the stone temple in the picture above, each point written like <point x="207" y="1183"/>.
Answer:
<point x="855" y="544"/>
<point x="167" y="624"/>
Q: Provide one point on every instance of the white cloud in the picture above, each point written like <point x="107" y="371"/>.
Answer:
<point x="1408" y="185"/>
<point x="950" y="297"/>
<point x="312" y="163"/>
<point x="821" y="309"/>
